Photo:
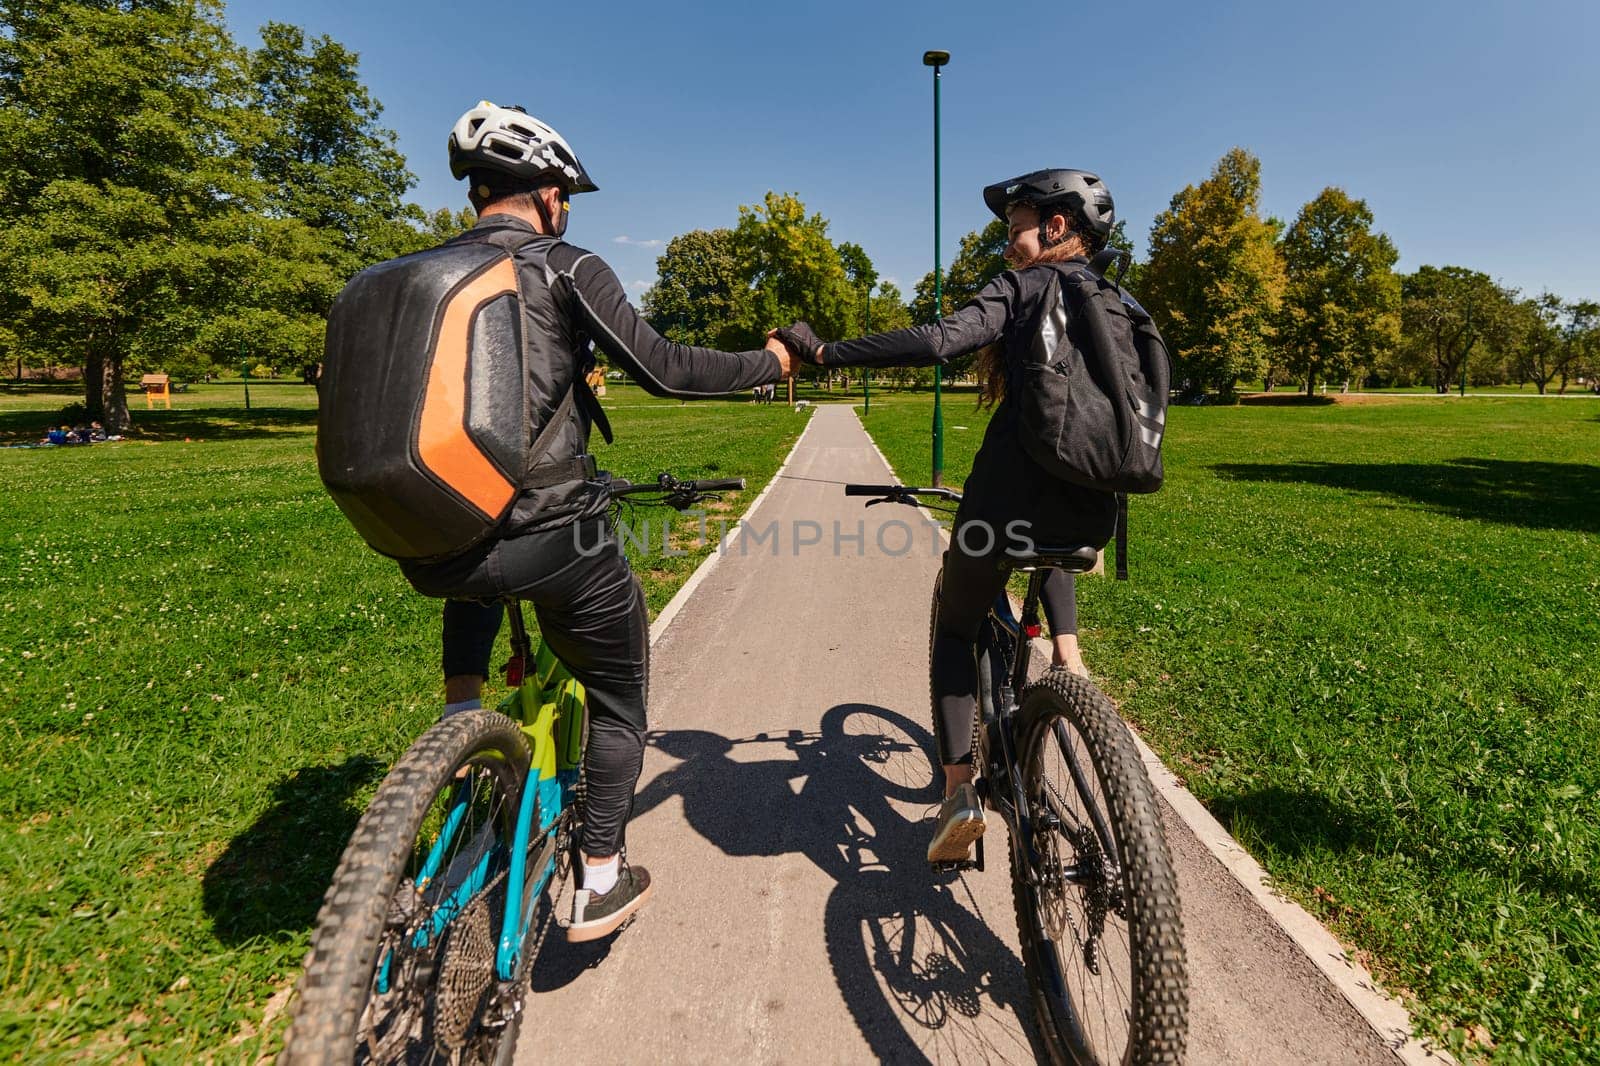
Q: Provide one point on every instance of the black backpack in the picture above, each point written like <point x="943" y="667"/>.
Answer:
<point x="1095" y="416"/>
<point x="424" y="430"/>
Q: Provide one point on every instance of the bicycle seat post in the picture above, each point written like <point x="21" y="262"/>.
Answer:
<point x="519" y="633"/>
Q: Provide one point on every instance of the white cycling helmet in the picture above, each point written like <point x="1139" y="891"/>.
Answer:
<point x="510" y="140"/>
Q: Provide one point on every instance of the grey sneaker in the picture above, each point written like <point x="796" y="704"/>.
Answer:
<point x="594" y="916"/>
<point x="960" y="823"/>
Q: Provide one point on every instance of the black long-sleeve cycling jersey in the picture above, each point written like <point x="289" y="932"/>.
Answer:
<point x="1005" y="484"/>
<point x="571" y="300"/>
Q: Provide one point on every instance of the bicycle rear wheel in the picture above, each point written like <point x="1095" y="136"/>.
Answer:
<point x="401" y="967"/>
<point x="1096" y="899"/>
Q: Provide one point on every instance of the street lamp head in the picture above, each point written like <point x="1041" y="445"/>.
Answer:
<point x="935" y="59"/>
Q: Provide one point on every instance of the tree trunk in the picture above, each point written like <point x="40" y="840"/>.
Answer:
<point x="1311" y="385"/>
<point x="94" y="385"/>
<point x="104" y="392"/>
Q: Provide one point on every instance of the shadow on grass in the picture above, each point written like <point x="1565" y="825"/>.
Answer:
<point x="195" y="423"/>
<point x="1293" y="822"/>
<point x="1286" y="399"/>
<point x="1536" y="495"/>
<point x="270" y="880"/>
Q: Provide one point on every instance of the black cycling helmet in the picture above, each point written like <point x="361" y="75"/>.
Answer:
<point x="1076" y="193"/>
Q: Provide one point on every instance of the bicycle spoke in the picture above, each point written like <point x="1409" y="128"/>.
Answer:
<point x="1082" y="772"/>
<point x="438" y="958"/>
<point x="1079" y="890"/>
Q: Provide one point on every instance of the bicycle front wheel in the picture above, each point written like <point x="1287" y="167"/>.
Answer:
<point x="1095" y="894"/>
<point x="402" y="963"/>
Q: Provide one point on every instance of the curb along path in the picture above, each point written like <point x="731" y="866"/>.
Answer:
<point x="782" y="811"/>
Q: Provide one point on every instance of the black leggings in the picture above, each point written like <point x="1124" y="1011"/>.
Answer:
<point x="969" y="587"/>
<point x="591" y="612"/>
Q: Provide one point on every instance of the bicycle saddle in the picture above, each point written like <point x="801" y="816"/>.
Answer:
<point x="1073" y="560"/>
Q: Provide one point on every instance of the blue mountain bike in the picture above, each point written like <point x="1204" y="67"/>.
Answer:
<point x="425" y="943"/>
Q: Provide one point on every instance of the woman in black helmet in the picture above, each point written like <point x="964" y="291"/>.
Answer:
<point x="1054" y="217"/>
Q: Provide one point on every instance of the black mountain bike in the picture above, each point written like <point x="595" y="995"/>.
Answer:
<point x="1092" y="884"/>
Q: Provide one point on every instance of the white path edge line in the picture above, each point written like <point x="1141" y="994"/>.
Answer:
<point x="1386" y="1015"/>
<point x="709" y="563"/>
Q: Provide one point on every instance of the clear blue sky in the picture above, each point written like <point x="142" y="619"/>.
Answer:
<point x="1469" y="128"/>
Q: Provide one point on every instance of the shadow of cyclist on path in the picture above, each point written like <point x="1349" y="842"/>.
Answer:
<point x="918" y="965"/>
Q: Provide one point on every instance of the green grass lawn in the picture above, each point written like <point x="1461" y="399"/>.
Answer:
<point x="203" y="675"/>
<point x="1368" y="638"/>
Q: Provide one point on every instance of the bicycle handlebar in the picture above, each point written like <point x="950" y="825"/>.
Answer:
<point x="674" y="491"/>
<point x="901" y="493"/>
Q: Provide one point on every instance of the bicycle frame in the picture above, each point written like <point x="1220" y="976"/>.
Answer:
<point x="549" y="704"/>
<point x="555" y="738"/>
<point x="1000" y="782"/>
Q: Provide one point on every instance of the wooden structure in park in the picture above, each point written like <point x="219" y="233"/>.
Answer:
<point x="156" y="387"/>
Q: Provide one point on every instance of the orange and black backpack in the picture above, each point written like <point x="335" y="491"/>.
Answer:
<point x="425" y="434"/>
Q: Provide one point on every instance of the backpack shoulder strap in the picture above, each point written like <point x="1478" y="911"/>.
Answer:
<point x="591" y="406"/>
<point x="511" y="242"/>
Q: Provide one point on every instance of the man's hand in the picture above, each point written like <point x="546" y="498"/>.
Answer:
<point x="785" y="360"/>
<point x="801" y="340"/>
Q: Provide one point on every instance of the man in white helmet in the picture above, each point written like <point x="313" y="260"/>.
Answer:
<point x="590" y="606"/>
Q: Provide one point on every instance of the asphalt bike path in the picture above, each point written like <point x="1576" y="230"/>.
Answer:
<point x="784" y="812"/>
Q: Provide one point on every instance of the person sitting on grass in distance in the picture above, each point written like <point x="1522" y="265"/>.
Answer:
<point x="1056" y="216"/>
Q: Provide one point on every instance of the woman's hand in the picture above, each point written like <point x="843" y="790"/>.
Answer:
<point x="801" y="340"/>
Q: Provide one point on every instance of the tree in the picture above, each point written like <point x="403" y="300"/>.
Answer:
<point x="1444" y="313"/>
<point x="1214" y="280"/>
<point x="1342" y="303"/>
<point x="323" y="156"/>
<point x="889" y="310"/>
<point x="119" y="178"/>
<point x="440" y="225"/>
<point x="793" y="270"/>
<point x="168" y="201"/>
<point x="1553" y="338"/>
<point x="863" y="276"/>
<point x="1580" y="337"/>
<point x="979" y="261"/>
<point x="700" y="296"/>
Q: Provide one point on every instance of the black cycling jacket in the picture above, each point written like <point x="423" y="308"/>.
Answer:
<point x="1005" y="484"/>
<point x="571" y="299"/>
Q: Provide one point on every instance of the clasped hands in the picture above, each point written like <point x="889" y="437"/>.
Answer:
<point x="794" y="344"/>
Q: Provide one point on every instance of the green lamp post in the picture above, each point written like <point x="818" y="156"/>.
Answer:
<point x="866" y="372"/>
<point x="937" y="60"/>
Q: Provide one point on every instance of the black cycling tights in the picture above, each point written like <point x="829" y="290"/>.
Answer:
<point x="591" y="612"/>
<point x="969" y="587"/>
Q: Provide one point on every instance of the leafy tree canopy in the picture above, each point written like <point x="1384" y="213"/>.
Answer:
<point x="1341" y="307"/>
<point x="1214" y="280"/>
